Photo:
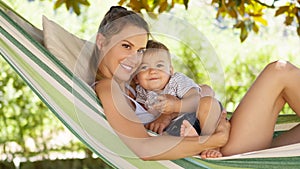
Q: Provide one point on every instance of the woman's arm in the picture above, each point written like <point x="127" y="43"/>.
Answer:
<point x="125" y="123"/>
<point x="189" y="102"/>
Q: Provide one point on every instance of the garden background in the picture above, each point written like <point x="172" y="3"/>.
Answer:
<point x="30" y="132"/>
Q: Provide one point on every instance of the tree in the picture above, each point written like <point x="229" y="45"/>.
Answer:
<point x="247" y="14"/>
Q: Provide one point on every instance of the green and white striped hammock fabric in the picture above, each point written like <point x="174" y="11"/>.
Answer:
<point x="78" y="108"/>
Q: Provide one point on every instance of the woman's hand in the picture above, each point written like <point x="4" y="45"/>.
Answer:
<point x="223" y="129"/>
<point x="167" y="104"/>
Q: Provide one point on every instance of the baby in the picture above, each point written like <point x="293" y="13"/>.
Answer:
<point x="161" y="90"/>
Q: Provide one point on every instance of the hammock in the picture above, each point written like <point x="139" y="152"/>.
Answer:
<point x="77" y="107"/>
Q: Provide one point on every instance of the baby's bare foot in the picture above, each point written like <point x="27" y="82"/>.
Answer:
<point x="213" y="153"/>
<point x="187" y="129"/>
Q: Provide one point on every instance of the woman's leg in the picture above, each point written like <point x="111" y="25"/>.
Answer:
<point x="208" y="114"/>
<point x="252" y="123"/>
<point x="290" y="137"/>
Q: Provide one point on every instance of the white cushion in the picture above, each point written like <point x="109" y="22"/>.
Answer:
<point x="34" y="32"/>
<point x="72" y="51"/>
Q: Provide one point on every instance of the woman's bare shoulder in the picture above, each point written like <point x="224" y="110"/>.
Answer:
<point x="103" y="86"/>
<point x="104" y="82"/>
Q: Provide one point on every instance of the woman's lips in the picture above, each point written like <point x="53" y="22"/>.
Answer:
<point x="126" y="67"/>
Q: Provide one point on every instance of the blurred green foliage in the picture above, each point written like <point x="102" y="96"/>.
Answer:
<point x="27" y="125"/>
<point x="247" y="14"/>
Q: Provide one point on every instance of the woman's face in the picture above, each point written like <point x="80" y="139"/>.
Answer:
<point x="123" y="53"/>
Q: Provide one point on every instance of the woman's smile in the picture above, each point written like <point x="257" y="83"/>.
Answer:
<point x="123" y="53"/>
<point x="126" y="67"/>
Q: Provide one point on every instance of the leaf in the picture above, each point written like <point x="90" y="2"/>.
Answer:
<point x="121" y="2"/>
<point x="239" y="24"/>
<point x="288" y="20"/>
<point x="261" y="20"/>
<point x="241" y="10"/>
<point x="238" y="2"/>
<point x="75" y="6"/>
<point x="232" y="13"/>
<point x="68" y="3"/>
<point x="214" y="1"/>
<point x="84" y="2"/>
<point x="58" y="3"/>
<point x="163" y="6"/>
<point x="244" y="33"/>
<point x="298" y="30"/>
<point x="146" y="6"/>
<point x="295" y="10"/>
<point x="135" y="5"/>
<point x="255" y="27"/>
<point x="281" y="10"/>
<point x="186" y="2"/>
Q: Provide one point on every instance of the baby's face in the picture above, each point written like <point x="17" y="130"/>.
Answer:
<point x="155" y="71"/>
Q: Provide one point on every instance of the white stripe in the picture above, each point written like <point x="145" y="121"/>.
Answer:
<point x="292" y="150"/>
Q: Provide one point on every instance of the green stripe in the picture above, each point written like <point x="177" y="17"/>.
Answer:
<point x="275" y="163"/>
<point x="288" y="118"/>
<point x="189" y="163"/>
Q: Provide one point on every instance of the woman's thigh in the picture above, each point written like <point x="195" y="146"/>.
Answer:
<point x="252" y="123"/>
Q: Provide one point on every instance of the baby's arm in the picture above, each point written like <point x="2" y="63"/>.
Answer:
<point x="206" y="90"/>
<point x="169" y="104"/>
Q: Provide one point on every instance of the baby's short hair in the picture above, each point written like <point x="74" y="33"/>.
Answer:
<point x="155" y="46"/>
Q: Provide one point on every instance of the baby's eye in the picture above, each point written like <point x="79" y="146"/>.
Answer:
<point x="126" y="46"/>
<point x="141" y="51"/>
<point x="143" y="67"/>
<point x="160" y="65"/>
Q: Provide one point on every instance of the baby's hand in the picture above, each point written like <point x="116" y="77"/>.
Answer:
<point x="151" y="100"/>
<point x="160" y="123"/>
<point x="167" y="104"/>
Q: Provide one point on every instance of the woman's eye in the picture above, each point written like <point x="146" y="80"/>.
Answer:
<point x="126" y="46"/>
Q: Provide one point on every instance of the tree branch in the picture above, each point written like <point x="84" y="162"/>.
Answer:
<point x="264" y="4"/>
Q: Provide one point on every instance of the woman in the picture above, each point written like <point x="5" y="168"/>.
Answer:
<point x="120" y="43"/>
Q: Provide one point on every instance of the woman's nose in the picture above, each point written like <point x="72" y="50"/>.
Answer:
<point x="135" y="58"/>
